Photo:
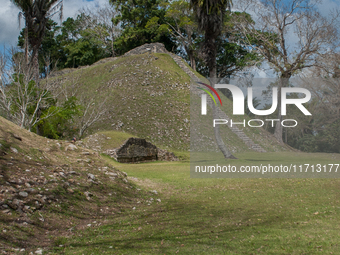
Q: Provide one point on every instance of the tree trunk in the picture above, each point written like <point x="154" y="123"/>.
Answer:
<point x="26" y="45"/>
<point x="219" y="141"/>
<point x="283" y="82"/>
<point x="278" y="127"/>
<point x="190" y="54"/>
<point x="191" y="58"/>
<point x="193" y="63"/>
<point x="35" y="65"/>
<point x="112" y="44"/>
<point x="81" y="132"/>
<point x="211" y="61"/>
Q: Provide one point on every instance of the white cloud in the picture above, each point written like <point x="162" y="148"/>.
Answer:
<point x="9" y="23"/>
<point x="71" y="7"/>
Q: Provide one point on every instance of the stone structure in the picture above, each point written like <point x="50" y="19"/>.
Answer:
<point x="136" y="150"/>
<point x="151" y="48"/>
<point x="165" y="155"/>
<point x="221" y="115"/>
<point x="159" y="48"/>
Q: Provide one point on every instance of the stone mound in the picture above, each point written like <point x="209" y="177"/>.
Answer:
<point x="145" y="48"/>
<point x="136" y="150"/>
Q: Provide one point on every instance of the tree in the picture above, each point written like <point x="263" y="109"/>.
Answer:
<point x="20" y="98"/>
<point x="323" y="128"/>
<point x="77" y="42"/>
<point x="50" y="48"/>
<point x="36" y="14"/>
<point x="184" y="29"/>
<point x="319" y="132"/>
<point x="91" y="112"/>
<point x="276" y="22"/>
<point x="5" y="102"/>
<point x="90" y="108"/>
<point x="142" y="21"/>
<point x="80" y="42"/>
<point x="60" y="124"/>
<point x="103" y="26"/>
<point x="210" y="16"/>
<point x="230" y="58"/>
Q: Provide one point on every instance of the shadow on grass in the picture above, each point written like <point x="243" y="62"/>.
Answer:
<point x="255" y="160"/>
<point x="167" y="228"/>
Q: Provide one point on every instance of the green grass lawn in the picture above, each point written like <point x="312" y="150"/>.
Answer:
<point x="220" y="216"/>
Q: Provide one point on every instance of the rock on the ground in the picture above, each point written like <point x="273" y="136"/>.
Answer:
<point x="91" y="176"/>
<point x="14" y="150"/>
<point x="39" y="251"/>
<point x="23" y="194"/>
<point x="88" y="195"/>
<point x="71" y="147"/>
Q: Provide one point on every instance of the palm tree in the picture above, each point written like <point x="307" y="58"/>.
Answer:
<point x="36" y="14"/>
<point x="210" y="16"/>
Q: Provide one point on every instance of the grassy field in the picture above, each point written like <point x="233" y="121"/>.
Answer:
<point x="219" y="216"/>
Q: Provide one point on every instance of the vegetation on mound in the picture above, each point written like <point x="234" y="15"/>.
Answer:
<point x="49" y="189"/>
<point x="146" y="95"/>
<point x="105" y="140"/>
